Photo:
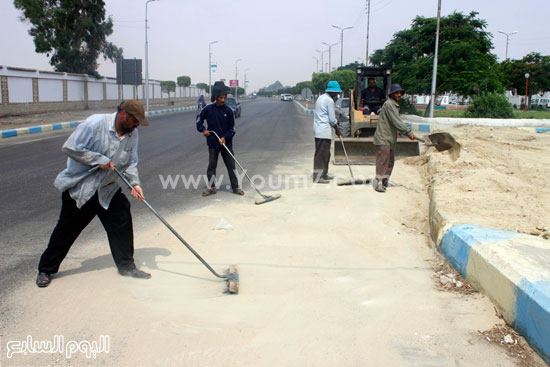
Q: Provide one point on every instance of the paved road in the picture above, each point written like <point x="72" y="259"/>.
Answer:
<point x="269" y="132"/>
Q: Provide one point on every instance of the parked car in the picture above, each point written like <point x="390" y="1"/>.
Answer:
<point x="341" y="109"/>
<point x="234" y="105"/>
<point x="287" y="97"/>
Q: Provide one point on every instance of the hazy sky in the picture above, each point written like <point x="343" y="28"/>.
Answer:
<point x="276" y="39"/>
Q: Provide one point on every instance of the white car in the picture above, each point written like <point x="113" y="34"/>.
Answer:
<point x="286" y="97"/>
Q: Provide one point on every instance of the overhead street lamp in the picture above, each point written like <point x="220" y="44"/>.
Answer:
<point x="147" y="59"/>
<point x="329" y="54"/>
<point x="342" y="42"/>
<point x="507" y="40"/>
<point x="236" y="78"/>
<point x="210" y="67"/>
<point x="316" y="59"/>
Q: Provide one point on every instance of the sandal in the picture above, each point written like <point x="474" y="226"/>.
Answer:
<point x="238" y="192"/>
<point x="380" y="187"/>
<point x="209" y="192"/>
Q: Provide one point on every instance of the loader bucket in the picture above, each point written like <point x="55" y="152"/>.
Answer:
<point x="363" y="150"/>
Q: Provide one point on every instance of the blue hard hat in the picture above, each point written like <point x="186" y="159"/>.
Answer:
<point x="333" y="86"/>
<point x="395" y="88"/>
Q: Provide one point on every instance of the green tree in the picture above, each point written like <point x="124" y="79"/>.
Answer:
<point x="167" y="86"/>
<point x="184" y="81"/>
<point x="490" y="105"/>
<point x="465" y="63"/>
<point x="346" y="78"/>
<point x="73" y="32"/>
<point x="320" y="82"/>
<point x="538" y="66"/>
<point x="203" y="86"/>
<point x="352" y="66"/>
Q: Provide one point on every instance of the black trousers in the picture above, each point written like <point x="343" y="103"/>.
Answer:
<point x="117" y="221"/>
<point x="321" y="158"/>
<point x="213" y="154"/>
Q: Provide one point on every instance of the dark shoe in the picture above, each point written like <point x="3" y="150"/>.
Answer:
<point x="238" y="192"/>
<point x="380" y="187"/>
<point x="43" y="280"/>
<point x="321" y="181"/>
<point x="134" y="273"/>
<point x="328" y="177"/>
<point x="209" y="192"/>
<point x="385" y="182"/>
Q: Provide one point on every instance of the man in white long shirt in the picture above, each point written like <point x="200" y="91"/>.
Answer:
<point x="324" y="122"/>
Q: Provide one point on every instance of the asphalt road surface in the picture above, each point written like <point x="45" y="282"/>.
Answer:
<point x="268" y="133"/>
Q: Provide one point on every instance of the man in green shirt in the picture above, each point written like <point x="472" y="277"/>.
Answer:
<point x="385" y="137"/>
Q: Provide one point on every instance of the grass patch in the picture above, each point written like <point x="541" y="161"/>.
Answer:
<point x="532" y="114"/>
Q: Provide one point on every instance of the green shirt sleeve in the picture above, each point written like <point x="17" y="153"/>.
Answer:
<point x="395" y="120"/>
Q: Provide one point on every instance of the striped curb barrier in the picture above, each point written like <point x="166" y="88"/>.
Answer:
<point x="72" y="124"/>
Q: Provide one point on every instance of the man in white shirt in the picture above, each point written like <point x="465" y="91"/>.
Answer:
<point x="323" y="123"/>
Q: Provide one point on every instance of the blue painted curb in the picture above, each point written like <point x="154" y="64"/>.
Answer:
<point x="68" y="125"/>
<point x="527" y="307"/>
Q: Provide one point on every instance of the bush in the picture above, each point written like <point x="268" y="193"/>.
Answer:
<point x="406" y="107"/>
<point x="490" y="105"/>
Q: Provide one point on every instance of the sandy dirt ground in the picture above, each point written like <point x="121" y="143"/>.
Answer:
<point x="500" y="179"/>
<point x="330" y="276"/>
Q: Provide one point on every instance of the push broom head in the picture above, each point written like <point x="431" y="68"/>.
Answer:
<point x="357" y="181"/>
<point x="232" y="276"/>
<point x="267" y="198"/>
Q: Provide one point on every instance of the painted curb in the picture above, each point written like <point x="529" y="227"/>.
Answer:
<point x="537" y="125"/>
<point x="305" y="110"/>
<point x="512" y="270"/>
<point x="72" y="124"/>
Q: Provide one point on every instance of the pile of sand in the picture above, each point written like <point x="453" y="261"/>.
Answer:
<point x="499" y="180"/>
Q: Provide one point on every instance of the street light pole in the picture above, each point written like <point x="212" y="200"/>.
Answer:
<point x="147" y="60"/>
<point x="245" y="81"/>
<point x="236" y="90"/>
<point x="526" y="90"/>
<point x="329" y="55"/>
<point x="368" y="24"/>
<point x="210" y="67"/>
<point x="507" y="40"/>
<point x="316" y="59"/>
<point x="322" y="64"/>
<point x="342" y="42"/>
<point x="434" y="71"/>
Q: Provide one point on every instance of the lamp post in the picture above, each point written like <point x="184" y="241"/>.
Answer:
<point x="147" y="60"/>
<point x="368" y="25"/>
<point x="322" y="63"/>
<point x="210" y="67"/>
<point x="329" y="54"/>
<point x="507" y="40"/>
<point x="342" y="42"/>
<point x="317" y="68"/>
<point x="236" y="90"/>
<point x="434" y="71"/>
<point x="526" y="90"/>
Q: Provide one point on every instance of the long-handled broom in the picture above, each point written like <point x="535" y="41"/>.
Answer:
<point x="231" y="275"/>
<point x="353" y="180"/>
<point x="265" y="198"/>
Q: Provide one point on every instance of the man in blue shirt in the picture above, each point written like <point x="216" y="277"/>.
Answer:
<point x="219" y="118"/>
<point x="90" y="189"/>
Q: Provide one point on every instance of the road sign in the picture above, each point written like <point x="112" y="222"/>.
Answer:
<point x="128" y="71"/>
<point x="233" y="83"/>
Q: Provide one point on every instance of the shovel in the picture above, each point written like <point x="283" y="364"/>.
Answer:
<point x="442" y="142"/>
